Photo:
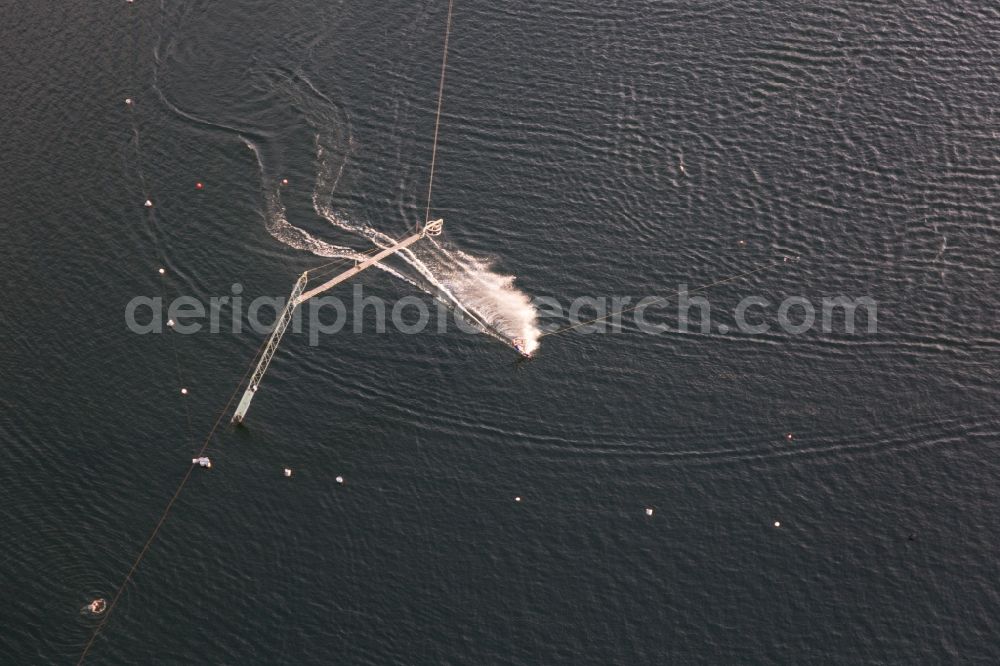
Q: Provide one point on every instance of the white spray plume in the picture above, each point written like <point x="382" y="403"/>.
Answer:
<point x="488" y="299"/>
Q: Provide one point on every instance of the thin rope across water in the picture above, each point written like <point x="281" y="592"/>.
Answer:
<point x="211" y="432"/>
<point x="437" y="119"/>
<point x="166" y="511"/>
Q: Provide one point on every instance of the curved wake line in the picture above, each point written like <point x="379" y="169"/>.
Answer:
<point x="485" y="298"/>
<point x="488" y="299"/>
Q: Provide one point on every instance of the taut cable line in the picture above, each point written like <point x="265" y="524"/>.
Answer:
<point x="437" y="118"/>
<point x="163" y="516"/>
<point x="430" y="228"/>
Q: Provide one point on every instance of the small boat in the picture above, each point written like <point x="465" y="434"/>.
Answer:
<point x="520" y="347"/>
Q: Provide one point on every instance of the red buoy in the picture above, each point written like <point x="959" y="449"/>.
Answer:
<point x="284" y="181"/>
<point x="199" y="185"/>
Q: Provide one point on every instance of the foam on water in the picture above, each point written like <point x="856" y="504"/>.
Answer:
<point x="480" y="291"/>
<point x="277" y="224"/>
<point x="488" y="299"/>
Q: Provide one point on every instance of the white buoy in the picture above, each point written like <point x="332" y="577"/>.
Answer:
<point x="777" y="523"/>
<point x="340" y="479"/>
<point x="163" y="271"/>
<point x="517" y="499"/>
<point x="288" y="472"/>
<point x="649" y="511"/>
<point x="148" y="204"/>
<point x="128" y="101"/>
<point x="170" y="323"/>
<point x="184" y="391"/>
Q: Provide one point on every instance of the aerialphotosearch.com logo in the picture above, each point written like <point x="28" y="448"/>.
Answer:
<point x="678" y="312"/>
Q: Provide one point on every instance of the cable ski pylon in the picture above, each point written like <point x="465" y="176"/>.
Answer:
<point x="266" y="352"/>
<point x="300" y="296"/>
<point x="272" y="346"/>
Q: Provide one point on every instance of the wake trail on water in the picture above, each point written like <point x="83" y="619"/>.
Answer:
<point x="489" y="300"/>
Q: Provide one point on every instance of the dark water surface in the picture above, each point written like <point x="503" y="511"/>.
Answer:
<point x="860" y="137"/>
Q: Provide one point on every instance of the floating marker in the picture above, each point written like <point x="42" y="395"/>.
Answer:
<point x="97" y="606"/>
<point x="340" y="479"/>
<point x="199" y="185"/>
<point x="203" y="461"/>
<point x="284" y="181"/>
<point x="170" y="322"/>
<point x="777" y="523"/>
<point x="789" y="437"/>
<point x="128" y="101"/>
<point x="184" y="391"/>
<point x="649" y="511"/>
<point x="148" y="204"/>
<point x="162" y="271"/>
<point x="288" y="472"/>
<point x="517" y="499"/>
